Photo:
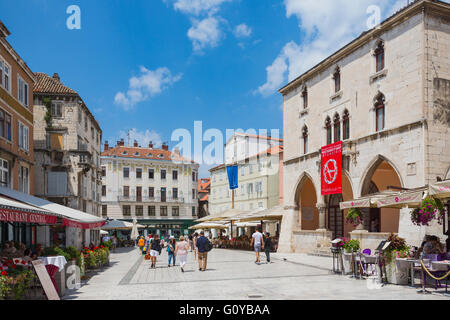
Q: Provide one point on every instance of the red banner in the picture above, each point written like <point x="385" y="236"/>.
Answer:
<point x="26" y="217"/>
<point x="331" y="169"/>
<point x="81" y="225"/>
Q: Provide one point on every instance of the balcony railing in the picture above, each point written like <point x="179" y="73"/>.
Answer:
<point x="133" y="198"/>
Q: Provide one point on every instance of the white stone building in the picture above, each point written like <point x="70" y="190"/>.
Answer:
<point x="386" y="95"/>
<point x="155" y="186"/>
<point x="67" y="142"/>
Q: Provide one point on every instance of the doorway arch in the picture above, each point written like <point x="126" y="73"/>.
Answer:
<point x="306" y="200"/>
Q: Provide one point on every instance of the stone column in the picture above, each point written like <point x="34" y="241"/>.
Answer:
<point x="322" y="215"/>
<point x="290" y="218"/>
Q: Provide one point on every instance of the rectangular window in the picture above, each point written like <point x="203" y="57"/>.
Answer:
<point x="193" y="177"/>
<point x="175" y="193"/>
<point x="5" y="125"/>
<point x="138" y="173"/>
<point x="126" y="210"/>
<point x="174" y="175"/>
<point x="151" y="192"/>
<point x="163" y="194"/>
<point x="56" y="141"/>
<point x="103" y="191"/>
<point x="193" y="193"/>
<point x="139" y="210"/>
<point x="163" y="174"/>
<point x="126" y="172"/>
<point x="23" y="180"/>
<point x="193" y="212"/>
<point x="22" y="91"/>
<point x="104" y="210"/>
<point x="139" y="194"/>
<point x="4" y="173"/>
<point x="57" y="109"/>
<point x="175" y="212"/>
<point x="151" y="173"/>
<point x="80" y="115"/>
<point x="126" y="191"/>
<point x="151" y="211"/>
<point x="23" y="136"/>
<point x="5" y="76"/>
<point x="163" y="211"/>
<point x="103" y="171"/>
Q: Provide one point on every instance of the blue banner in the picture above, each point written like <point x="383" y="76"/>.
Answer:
<point x="232" y="172"/>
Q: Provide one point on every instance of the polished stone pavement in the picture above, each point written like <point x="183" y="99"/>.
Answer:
<point x="232" y="275"/>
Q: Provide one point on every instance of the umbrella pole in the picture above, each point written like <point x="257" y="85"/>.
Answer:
<point x="232" y="201"/>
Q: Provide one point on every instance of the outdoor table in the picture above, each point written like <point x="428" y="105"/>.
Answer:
<point x="53" y="265"/>
<point x="411" y="262"/>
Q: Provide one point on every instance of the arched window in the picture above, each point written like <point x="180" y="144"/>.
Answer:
<point x="305" y="98"/>
<point x="379" y="56"/>
<point x="379" y="112"/>
<point x="337" y="80"/>
<point x="346" y="125"/>
<point x="337" y="128"/>
<point x="305" y="140"/>
<point x="328" y="127"/>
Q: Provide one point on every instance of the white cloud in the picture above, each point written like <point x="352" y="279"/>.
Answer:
<point x="327" y="25"/>
<point x="242" y="31"/>
<point x="142" y="137"/>
<point x="197" y="7"/>
<point x="204" y="33"/>
<point x="148" y="84"/>
<point x="206" y="24"/>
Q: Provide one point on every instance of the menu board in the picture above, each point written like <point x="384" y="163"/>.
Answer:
<point x="45" y="280"/>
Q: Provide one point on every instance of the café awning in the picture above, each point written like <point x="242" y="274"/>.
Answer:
<point x="369" y="201"/>
<point x="411" y="199"/>
<point x="440" y="189"/>
<point x="206" y="225"/>
<point x="272" y="214"/>
<point x="71" y="217"/>
<point x="117" y="225"/>
<point x="226" y="215"/>
<point x="13" y="211"/>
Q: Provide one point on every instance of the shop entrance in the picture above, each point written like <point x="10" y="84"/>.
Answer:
<point x="336" y="216"/>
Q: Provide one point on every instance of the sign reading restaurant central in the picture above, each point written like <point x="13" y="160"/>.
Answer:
<point x="331" y="169"/>
<point x="27" y="217"/>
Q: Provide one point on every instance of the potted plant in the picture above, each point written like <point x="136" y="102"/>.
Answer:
<point x="354" y="216"/>
<point x="396" y="272"/>
<point x="429" y="210"/>
<point x="349" y="247"/>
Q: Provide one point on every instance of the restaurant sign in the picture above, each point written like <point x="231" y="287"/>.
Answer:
<point x="81" y="225"/>
<point x="11" y="215"/>
<point x="331" y="169"/>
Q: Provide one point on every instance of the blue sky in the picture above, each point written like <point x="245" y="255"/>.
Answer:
<point x="218" y="61"/>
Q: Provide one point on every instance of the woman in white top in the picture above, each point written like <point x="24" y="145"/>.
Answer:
<point x="181" y="251"/>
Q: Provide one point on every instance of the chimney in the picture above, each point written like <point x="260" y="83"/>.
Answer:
<point x="150" y="145"/>
<point x="106" y="146"/>
<point x="120" y="143"/>
<point x="165" y="147"/>
<point x="135" y="144"/>
<point x="56" y="77"/>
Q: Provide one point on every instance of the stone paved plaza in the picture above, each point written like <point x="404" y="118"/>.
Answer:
<point x="231" y="275"/>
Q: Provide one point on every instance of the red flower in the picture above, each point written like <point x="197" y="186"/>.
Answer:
<point x="10" y="261"/>
<point x="24" y="262"/>
<point x="4" y="273"/>
<point x="14" y="266"/>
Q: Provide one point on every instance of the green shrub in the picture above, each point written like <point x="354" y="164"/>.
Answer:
<point x="72" y="252"/>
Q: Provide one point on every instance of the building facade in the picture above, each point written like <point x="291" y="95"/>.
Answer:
<point x="16" y="132"/>
<point x="204" y="187"/>
<point x="67" y="144"/>
<point x="259" y="175"/>
<point x="156" y="186"/>
<point x="386" y="95"/>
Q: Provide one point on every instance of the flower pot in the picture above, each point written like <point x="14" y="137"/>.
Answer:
<point x="396" y="273"/>
<point x="347" y="261"/>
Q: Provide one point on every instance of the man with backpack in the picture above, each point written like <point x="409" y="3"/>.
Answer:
<point x="203" y="246"/>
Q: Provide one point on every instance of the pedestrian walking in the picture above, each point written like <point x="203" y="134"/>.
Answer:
<point x="268" y="246"/>
<point x="194" y="240"/>
<point x="191" y="241"/>
<point x="257" y="243"/>
<point x="114" y="242"/>
<point x="181" y="252"/>
<point x="155" y="250"/>
<point x="171" y="250"/>
<point x="141" y="244"/>
<point x="203" y="244"/>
